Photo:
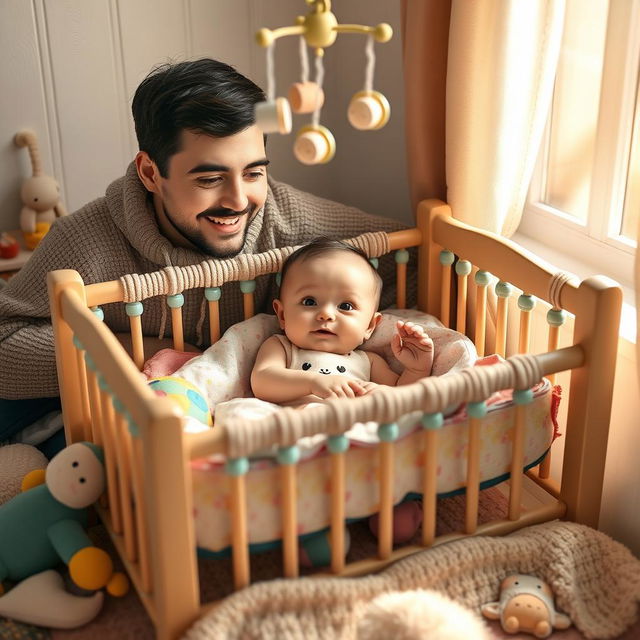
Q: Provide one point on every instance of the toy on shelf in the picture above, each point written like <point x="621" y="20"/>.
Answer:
<point x="40" y="195"/>
<point x="368" y="109"/>
<point x="9" y="247"/>
<point x="526" y="604"/>
<point x="44" y="526"/>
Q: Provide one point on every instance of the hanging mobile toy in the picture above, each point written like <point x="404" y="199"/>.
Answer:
<point x="368" y="109"/>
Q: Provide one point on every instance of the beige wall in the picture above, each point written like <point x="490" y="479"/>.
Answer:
<point x="70" y="68"/>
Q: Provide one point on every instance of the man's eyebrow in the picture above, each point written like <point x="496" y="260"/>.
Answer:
<point x="210" y="168"/>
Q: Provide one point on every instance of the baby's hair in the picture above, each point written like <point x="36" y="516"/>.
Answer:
<point x="321" y="246"/>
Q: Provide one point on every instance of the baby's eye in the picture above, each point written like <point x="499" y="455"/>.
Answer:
<point x="308" y="302"/>
<point x="345" y="306"/>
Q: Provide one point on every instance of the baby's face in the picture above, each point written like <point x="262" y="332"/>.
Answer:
<point x="328" y="303"/>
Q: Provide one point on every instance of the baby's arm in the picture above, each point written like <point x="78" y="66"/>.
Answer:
<point x="272" y="381"/>
<point x="413" y="348"/>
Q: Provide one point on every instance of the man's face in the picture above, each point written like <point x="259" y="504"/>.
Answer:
<point x="214" y="188"/>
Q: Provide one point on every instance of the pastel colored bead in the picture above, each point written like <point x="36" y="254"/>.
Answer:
<point x="432" y="420"/>
<point x="212" y="294"/>
<point x="236" y="466"/>
<point x="375" y="263"/>
<point x="185" y="395"/>
<point x="305" y="97"/>
<point x="388" y="432"/>
<point x="526" y="302"/>
<point x="401" y="256"/>
<point x="175" y="301"/>
<point x="522" y="396"/>
<point x="477" y="409"/>
<point x="288" y="455"/>
<point x="556" y="317"/>
<point x="314" y="145"/>
<point x="446" y="258"/>
<point x="368" y="110"/>
<point x="482" y="278"/>
<point x="338" y="444"/>
<point x="247" y="286"/>
<point x="133" y="309"/>
<point x="503" y="289"/>
<point x="463" y="267"/>
<point x="273" y="116"/>
<point x="98" y="313"/>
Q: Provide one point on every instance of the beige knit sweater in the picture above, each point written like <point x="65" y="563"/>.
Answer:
<point x="118" y="234"/>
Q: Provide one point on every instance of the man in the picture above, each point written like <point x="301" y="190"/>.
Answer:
<point x="198" y="189"/>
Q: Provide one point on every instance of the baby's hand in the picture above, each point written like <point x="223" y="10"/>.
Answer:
<point x="413" y="347"/>
<point x="335" y="386"/>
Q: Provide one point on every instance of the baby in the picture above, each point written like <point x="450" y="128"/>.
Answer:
<point x="329" y="295"/>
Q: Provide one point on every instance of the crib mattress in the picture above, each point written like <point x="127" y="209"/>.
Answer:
<point x="211" y="486"/>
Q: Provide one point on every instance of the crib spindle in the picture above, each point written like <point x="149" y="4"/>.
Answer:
<point x="446" y="260"/>
<point x="521" y="399"/>
<point x="288" y="458"/>
<point x="237" y="469"/>
<point x="401" y="257"/>
<point x="134" y="311"/>
<point x="387" y="433"/>
<point x="482" y="279"/>
<point x="431" y="423"/>
<point x="248" y="288"/>
<point x="337" y="446"/>
<point x="503" y="291"/>
<point x="213" y="295"/>
<point x="94" y="404"/>
<point x="108" y="421"/>
<point x="463" y="269"/>
<point x="526" y="304"/>
<point x="137" y="463"/>
<point x="123" y="452"/>
<point x="476" y="411"/>
<point x="84" y="399"/>
<point x="175" y="303"/>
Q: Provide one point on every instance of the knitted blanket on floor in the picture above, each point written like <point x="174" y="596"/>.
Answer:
<point x="596" y="581"/>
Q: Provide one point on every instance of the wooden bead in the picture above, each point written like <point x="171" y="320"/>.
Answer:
<point x="314" y="145"/>
<point x="368" y="110"/>
<point x="274" y="116"/>
<point x="305" y="97"/>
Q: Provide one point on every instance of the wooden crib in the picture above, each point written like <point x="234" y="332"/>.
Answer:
<point x="148" y="504"/>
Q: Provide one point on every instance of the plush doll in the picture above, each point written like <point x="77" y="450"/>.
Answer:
<point x="526" y="604"/>
<point x="44" y="526"/>
<point x="40" y="195"/>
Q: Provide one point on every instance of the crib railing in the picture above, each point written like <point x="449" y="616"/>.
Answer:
<point x="106" y="400"/>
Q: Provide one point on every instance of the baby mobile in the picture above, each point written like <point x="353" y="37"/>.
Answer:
<point x="368" y="109"/>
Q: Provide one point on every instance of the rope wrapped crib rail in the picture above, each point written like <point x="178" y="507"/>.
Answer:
<point x="213" y="273"/>
<point x="429" y="395"/>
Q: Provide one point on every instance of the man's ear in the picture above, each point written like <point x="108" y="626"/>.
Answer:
<point x="279" y="309"/>
<point x="375" y="321"/>
<point x="147" y="172"/>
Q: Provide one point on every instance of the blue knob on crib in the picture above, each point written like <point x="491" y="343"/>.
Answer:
<point x="279" y="278"/>
<point x="375" y="263"/>
<point x="102" y="384"/>
<point x="98" y="313"/>
<point x="432" y="420"/>
<point x="175" y="301"/>
<point x="482" y="278"/>
<point x="556" y="317"/>
<point x="288" y="455"/>
<point x="522" y="396"/>
<point x="446" y="258"/>
<point x="401" y="256"/>
<point x="477" y="409"/>
<point x="77" y="344"/>
<point x="213" y="294"/>
<point x="388" y="432"/>
<point x="338" y="444"/>
<point x="119" y="407"/>
<point x="247" y="286"/>
<point x="463" y="267"/>
<point x="91" y="365"/>
<point x="503" y="289"/>
<point x="236" y="466"/>
<point x="526" y="302"/>
<point x="133" y="309"/>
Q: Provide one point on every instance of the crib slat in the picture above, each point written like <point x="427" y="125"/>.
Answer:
<point x="213" y="294"/>
<point x="401" y="257"/>
<point x="237" y="469"/>
<point x="387" y="433"/>
<point x="140" y="513"/>
<point x="503" y="291"/>
<point x="521" y="398"/>
<point x="94" y="404"/>
<point x="175" y="303"/>
<point x="337" y="446"/>
<point x="463" y="269"/>
<point x="431" y="423"/>
<point x="113" y="482"/>
<point x="476" y="411"/>
<point x="446" y="260"/>
<point x="134" y="311"/>
<point x="248" y="288"/>
<point x="526" y="303"/>
<point x="84" y="398"/>
<point x="482" y="279"/>
<point x="123" y="450"/>
<point x="288" y="458"/>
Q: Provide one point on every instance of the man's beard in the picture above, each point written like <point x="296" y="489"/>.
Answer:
<point x="197" y="238"/>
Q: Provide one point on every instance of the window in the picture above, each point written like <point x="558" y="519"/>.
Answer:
<point x="584" y="199"/>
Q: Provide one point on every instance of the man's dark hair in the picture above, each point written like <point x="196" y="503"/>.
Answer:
<point x="203" y="96"/>
<point x="321" y="246"/>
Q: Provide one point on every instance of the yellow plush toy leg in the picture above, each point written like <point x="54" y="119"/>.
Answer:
<point x="91" y="568"/>
<point x="32" y="479"/>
